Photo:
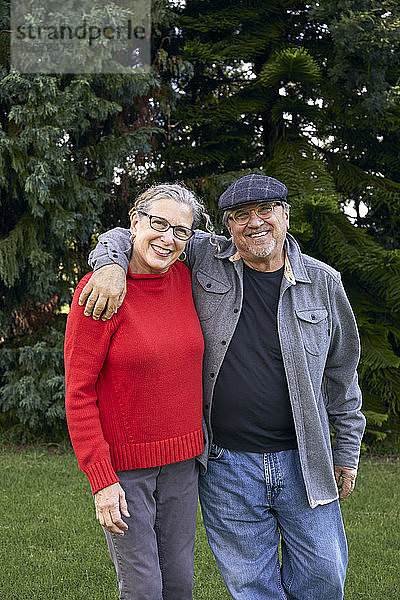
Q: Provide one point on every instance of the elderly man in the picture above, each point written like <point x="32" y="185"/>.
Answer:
<point x="282" y="350"/>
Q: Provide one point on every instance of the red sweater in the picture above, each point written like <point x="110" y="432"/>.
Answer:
<point x="134" y="383"/>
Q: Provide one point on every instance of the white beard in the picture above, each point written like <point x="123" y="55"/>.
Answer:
<point x="263" y="251"/>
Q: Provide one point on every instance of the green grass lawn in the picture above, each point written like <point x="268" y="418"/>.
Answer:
<point x="51" y="547"/>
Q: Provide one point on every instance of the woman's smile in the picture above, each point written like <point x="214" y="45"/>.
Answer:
<point x="155" y="251"/>
<point x="161" y="251"/>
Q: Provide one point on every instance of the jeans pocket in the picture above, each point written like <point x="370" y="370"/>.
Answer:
<point x="215" y="452"/>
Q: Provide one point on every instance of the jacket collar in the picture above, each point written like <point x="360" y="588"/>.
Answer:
<point x="294" y="264"/>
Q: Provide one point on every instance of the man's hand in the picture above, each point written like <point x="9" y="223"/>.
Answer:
<point x="104" y="292"/>
<point x="110" y="504"/>
<point x="345" y="480"/>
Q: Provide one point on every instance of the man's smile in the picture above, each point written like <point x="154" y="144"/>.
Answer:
<point x="259" y="234"/>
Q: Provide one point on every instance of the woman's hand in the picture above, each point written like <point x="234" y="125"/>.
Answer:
<point x="110" y="503"/>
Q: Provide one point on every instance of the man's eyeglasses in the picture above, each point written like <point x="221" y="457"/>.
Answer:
<point x="241" y="215"/>
<point x="161" y="224"/>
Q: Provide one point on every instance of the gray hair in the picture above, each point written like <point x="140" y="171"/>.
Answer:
<point x="181" y="194"/>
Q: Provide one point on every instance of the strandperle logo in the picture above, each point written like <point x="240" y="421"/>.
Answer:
<point x="85" y="31"/>
<point x="80" y="36"/>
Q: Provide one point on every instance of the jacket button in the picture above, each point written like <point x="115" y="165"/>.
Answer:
<point x="235" y="310"/>
<point x="208" y="285"/>
<point x="212" y="374"/>
<point x="223" y="342"/>
<point x="313" y="317"/>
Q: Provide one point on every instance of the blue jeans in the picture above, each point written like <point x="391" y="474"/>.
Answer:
<point x="249" y="502"/>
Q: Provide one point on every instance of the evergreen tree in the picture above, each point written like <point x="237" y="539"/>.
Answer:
<point x="306" y="92"/>
<point x="62" y="137"/>
<point x="363" y="110"/>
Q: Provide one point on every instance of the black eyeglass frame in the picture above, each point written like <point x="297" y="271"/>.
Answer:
<point x="173" y="227"/>
<point x="271" y="203"/>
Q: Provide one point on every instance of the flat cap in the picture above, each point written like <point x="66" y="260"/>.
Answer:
<point x="252" y="188"/>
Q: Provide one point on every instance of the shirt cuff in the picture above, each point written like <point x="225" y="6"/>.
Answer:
<point x="108" y="258"/>
<point x="346" y="457"/>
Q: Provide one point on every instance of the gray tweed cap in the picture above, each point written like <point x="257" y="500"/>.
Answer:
<point x="252" y="188"/>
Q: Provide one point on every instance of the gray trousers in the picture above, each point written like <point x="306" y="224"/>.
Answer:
<point x="154" y="559"/>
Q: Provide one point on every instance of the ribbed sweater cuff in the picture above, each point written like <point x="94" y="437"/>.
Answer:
<point x="100" y="475"/>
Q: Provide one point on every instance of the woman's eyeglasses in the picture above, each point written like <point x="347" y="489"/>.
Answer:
<point x="161" y="224"/>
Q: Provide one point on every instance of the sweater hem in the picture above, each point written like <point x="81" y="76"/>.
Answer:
<point x="155" y="454"/>
<point x="130" y="456"/>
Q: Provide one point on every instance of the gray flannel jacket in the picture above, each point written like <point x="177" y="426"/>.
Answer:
<point x="318" y="337"/>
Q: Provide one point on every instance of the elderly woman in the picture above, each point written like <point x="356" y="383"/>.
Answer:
<point x="134" y="403"/>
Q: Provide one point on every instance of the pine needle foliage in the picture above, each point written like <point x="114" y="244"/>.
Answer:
<point x="62" y="137"/>
<point x="308" y="93"/>
<point x="371" y="276"/>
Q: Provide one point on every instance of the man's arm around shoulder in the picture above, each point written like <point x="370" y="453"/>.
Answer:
<point x="106" y="289"/>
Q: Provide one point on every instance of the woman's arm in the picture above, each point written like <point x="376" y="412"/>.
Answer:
<point x="85" y="350"/>
<point x="86" y="346"/>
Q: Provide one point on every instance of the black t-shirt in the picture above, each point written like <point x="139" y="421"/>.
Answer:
<point x="251" y="407"/>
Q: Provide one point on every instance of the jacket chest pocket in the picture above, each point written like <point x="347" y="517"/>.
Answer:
<point x="314" y="329"/>
<point x="208" y="294"/>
